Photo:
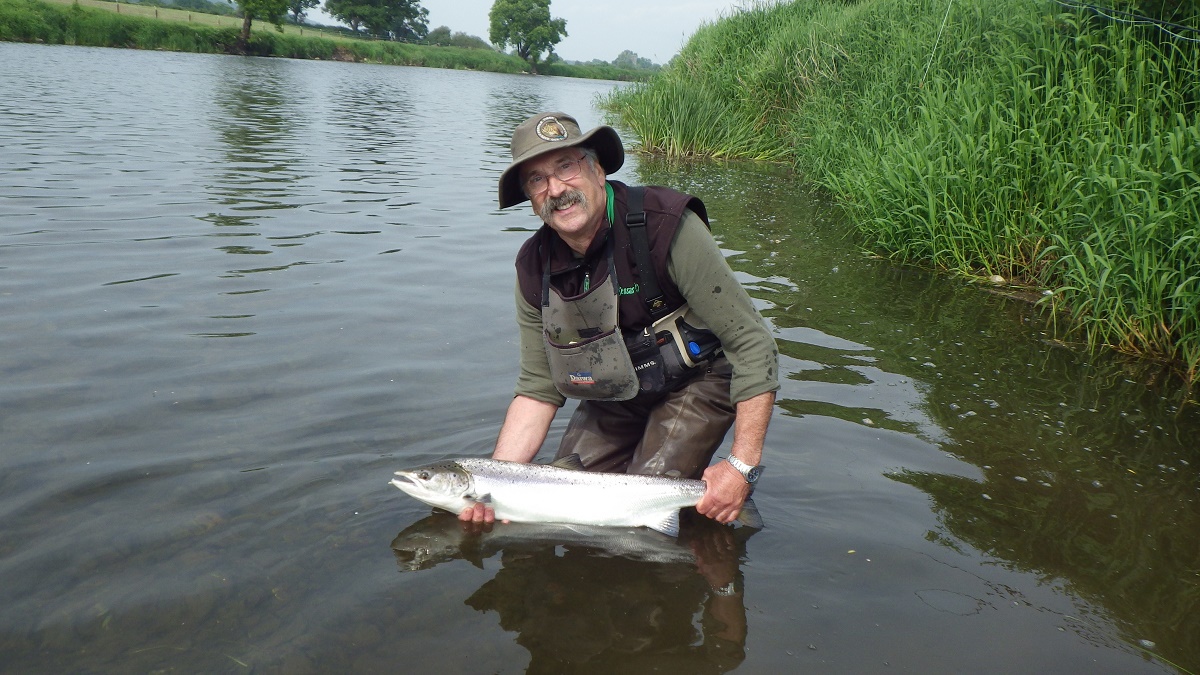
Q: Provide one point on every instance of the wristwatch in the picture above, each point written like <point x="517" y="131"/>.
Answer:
<point x="750" y="473"/>
<point x="726" y="590"/>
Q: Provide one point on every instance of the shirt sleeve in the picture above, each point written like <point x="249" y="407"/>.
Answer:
<point x="534" y="380"/>
<point x="697" y="266"/>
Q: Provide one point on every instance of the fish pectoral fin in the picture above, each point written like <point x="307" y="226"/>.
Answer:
<point x="571" y="462"/>
<point x="669" y="524"/>
<point x="749" y="516"/>
<point x="481" y="499"/>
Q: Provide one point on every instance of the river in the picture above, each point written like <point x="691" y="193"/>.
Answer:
<point x="238" y="293"/>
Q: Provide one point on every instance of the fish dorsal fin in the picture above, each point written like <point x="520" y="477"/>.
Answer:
<point x="669" y="524"/>
<point x="749" y="516"/>
<point x="471" y="551"/>
<point x="571" y="462"/>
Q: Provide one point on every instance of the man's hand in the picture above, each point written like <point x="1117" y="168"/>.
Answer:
<point x="524" y="430"/>
<point x="725" y="493"/>
<point x="479" y="514"/>
<point x="727" y="489"/>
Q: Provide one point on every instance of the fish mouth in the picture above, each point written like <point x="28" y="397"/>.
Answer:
<point x="402" y="478"/>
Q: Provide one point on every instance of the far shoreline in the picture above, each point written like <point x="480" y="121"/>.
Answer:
<point x="100" y="23"/>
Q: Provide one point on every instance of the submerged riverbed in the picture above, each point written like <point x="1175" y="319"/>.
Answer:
<point x="239" y="293"/>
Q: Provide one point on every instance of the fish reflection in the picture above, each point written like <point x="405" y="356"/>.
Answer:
<point x="599" y="599"/>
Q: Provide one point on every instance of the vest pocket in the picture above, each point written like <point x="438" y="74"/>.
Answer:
<point x="598" y="368"/>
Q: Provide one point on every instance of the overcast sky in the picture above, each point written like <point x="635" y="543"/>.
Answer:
<point x="596" y="29"/>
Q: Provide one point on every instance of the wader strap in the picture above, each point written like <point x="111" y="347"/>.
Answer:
<point x="635" y="222"/>
<point x="545" y="280"/>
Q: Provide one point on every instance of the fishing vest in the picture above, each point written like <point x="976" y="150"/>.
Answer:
<point x="596" y="316"/>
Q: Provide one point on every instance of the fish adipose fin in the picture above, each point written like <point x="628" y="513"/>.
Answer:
<point x="749" y="516"/>
<point x="571" y="462"/>
<point x="668" y="526"/>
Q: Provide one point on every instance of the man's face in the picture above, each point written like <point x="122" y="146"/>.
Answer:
<point x="573" y="207"/>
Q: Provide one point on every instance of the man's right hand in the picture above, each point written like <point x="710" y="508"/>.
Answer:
<point x="480" y="513"/>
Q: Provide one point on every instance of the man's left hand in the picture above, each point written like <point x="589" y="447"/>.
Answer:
<point x="726" y="492"/>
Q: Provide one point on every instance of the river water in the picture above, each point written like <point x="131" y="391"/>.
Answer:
<point x="237" y="294"/>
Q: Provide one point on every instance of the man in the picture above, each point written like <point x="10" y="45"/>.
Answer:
<point x="625" y="302"/>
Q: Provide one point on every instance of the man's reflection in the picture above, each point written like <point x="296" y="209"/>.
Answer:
<point x="599" y="599"/>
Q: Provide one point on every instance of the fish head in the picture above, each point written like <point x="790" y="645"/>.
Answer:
<point x="429" y="542"/>
<point x="445" y="485"/>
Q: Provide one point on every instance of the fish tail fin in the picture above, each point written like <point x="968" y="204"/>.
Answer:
<point x="749" y="515"/>
<point x="669" y="525"/>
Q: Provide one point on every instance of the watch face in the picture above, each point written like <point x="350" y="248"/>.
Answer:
<point x="753" y="474"/>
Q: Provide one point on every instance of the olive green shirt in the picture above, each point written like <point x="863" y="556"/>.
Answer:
<point x="700" y="271"/>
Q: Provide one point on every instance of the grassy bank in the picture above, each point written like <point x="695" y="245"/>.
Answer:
<point x="96" y="23"/>
<point x="984" y="137"/>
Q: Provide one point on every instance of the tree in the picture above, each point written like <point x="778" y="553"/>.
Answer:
<point x="527" y="26"/>
<point x="442" y="37"/>
<point x="406" y="20"/>
<point x="626" y="59"/>
<point x="439" y="36"/>
<point x="388" y="19"/>
<point x="268" y="10"/>
<point x="629" y="59"/>
<point x="299" y="8"/>
<point x="349" y="12"/>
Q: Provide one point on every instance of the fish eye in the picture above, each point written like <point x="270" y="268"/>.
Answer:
<point x="423" y="475"/>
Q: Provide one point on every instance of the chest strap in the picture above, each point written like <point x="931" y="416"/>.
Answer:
<point x="635" y="222"/>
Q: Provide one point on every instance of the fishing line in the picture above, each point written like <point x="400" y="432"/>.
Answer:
<point x="936" y="42"/>
<point x="1132" y="19"/>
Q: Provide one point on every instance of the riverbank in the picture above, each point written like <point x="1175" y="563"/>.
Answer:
<point x="986" y="138"/>
<point x="113" y="24"/>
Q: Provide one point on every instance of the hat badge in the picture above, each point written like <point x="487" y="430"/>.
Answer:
<point x="550" y="129"/>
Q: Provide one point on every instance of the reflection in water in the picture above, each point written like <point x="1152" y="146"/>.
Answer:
<point x="1081" y="484"/>
<point x="1088" y="475"/>
<point x="591" y="599"/>
<point x="377" y="124"/>
<point x="258" y="127"/>
<point x="507" y="108"/>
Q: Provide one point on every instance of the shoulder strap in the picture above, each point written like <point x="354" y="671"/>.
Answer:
<point x="635" y="222"/>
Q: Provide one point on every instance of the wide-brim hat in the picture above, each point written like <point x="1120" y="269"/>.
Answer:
<point x="547" y="132"/>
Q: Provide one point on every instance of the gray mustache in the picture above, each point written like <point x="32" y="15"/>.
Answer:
<point x="565" y="199"/>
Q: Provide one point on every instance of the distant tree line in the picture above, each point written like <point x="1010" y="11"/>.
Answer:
<point x="442" y="37"/>
<point x="628" y="60"/>
<point x="524" y="25"/>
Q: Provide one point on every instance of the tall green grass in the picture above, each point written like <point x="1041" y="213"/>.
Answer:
<point x="977" y="136"/>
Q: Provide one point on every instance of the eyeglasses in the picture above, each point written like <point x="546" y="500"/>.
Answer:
<point x="565" y="170"/>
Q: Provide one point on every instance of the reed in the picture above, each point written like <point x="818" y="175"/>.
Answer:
<point x="980" y="137"/>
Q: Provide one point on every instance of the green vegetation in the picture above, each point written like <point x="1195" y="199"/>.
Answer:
<point x="272" y="11"/>
<point x="527" y="26"/>
<point x="100" y="25"/>
<point x="403" y="20"/>
<point x="207" y="6"/>
<point x="34" y="21"/>
<point x="983" y="137"/>
<point x="442" y="37"/>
